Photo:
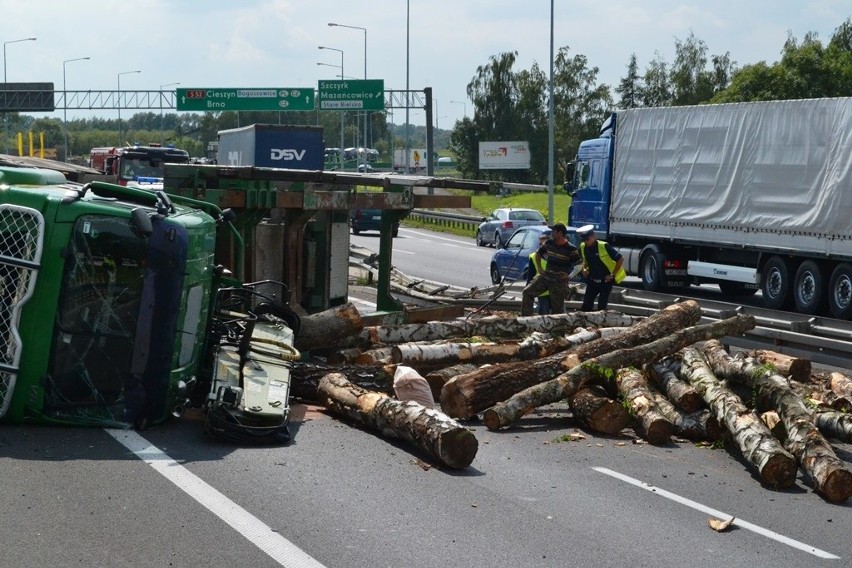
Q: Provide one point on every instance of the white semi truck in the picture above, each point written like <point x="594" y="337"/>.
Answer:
<point x="750" y="196"/>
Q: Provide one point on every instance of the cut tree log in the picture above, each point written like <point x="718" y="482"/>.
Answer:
<point x="504" y="413"/>
<point x="430" y="430"/>
<point x="329" y="328"/>
<point x="653" y="425"/>
<point x="681" y="394"/>
<point x="466" y="395"/>
<point x="444" y="354"/>
<point x="439" y="377"/>
<point x="832" y="479"/>
<point x="696" y="426"/>
<point x="593" y="408"/>
<point x="840" y="384"/>
<point x="305" y="377"/>
<point x="493" y="326"/>
<point x="775" y="424"/>
<point x="377" y="356"/>
<point x="775" y="466"/>
<point x="835" y="425"/>
<point x="795" y="368"/>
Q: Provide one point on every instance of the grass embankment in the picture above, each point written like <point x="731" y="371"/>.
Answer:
<point x="485" y="204"/>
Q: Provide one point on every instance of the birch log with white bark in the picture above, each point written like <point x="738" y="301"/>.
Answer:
<point x="328" y="328"/>
<point x="504" y="413"/>
<point x="469" y="394"/>
<point x="634" y="388"/>
<point x="835" y="425"/>
<point x="428" y="429"/>
<point x="680" y="393"/>
<point x="493" y="327"/>
<point x="697" y="426"/>
<point x="831" y="478"/>
<point x="775" y="466"/>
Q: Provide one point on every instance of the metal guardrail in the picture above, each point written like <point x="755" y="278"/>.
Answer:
<point x="441" y="219"/>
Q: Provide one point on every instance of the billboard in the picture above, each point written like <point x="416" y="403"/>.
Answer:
<point x="512" y="155"/>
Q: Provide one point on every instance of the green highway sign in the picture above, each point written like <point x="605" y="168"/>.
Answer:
<point x="284" y="98"/>
<point x="365" y="94"/>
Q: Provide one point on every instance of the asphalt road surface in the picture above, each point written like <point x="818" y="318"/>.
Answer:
<point x="341" y="497"/>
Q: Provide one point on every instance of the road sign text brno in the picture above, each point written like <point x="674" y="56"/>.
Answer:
<point x="364" y="94"/>
<point x="283" y="98"/>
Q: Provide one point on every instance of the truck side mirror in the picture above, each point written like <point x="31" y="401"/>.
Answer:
<point x="140" y="223"/>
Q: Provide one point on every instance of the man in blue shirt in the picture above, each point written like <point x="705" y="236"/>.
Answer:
<point x="602" y="268"/>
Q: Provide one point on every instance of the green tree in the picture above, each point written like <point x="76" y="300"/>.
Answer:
<point x="658" y="88"/>
<point x="630" y="88"/>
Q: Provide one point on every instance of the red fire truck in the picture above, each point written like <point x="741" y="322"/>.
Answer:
<point x="137" y="166"/>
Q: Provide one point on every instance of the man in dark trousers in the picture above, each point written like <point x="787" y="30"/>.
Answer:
<point x="602" y="268"/>
<point x="561" y="257"/>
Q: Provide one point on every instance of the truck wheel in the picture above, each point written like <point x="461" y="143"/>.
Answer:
<point x="840" y="291"/>
<point x="479" y="241"/>
<point x="776" y="284"/>
<point x="809" y="288"/>
<point x="652" y="271"/>
<point x="736" y="289"/>
<point x="495" y="274"/>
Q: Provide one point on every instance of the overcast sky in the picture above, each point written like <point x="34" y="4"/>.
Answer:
<point x="273" y="43"/>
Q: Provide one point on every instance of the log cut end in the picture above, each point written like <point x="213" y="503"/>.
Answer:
<point x="457" y="448"/>
<point x="837" y="487"/>
<point x="659" y="432"/>
<point x="454" y="403"/>
<point x="779" y="471"/>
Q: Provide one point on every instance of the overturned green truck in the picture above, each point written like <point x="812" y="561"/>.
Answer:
<point x="112" y="311"/>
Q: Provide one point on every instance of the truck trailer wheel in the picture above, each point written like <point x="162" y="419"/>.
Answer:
<point x="840" y="291"/>
<point x="776" y="284"/>
<point x="809" y="288"/>
<point x="652" y="270"/>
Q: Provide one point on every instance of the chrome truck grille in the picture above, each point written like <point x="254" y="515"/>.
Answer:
<point x="21" y="236"/>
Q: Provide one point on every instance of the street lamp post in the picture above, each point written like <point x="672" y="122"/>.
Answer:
<point x="161" y="105"/>
<point x="341" y="112"/>
<point x="464" y="106"/>
<point x="118" y="100"/>
<point x="365" y="74"/>
<point x="407" y="100"/>
<point x="5" y="119"/>
<point x="65" y="106"/>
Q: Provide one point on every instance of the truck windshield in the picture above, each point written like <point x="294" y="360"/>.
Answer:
<point x="96" y="322"/>
<point x="138" y="168"/>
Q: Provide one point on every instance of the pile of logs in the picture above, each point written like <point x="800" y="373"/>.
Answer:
<point x="665" y="376"/>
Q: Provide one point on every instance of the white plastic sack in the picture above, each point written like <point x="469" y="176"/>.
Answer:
<point x="409" y="385"/>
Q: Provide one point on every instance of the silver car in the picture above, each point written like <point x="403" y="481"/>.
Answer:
<point x="499" y="226"/>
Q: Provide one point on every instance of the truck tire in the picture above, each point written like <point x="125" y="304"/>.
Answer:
<point x="652" y="271"/>
<point x="776" y="284"/>
<point x="479" y="241"/>
<point x="840" y="291"/>
<point x="736" y="289"/>
<point x="495" y="274"/>
<point x="809" y="288"/>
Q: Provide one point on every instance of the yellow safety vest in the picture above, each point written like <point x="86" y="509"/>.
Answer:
<point x="606" y="259"/>
<point x="543" y="261"/>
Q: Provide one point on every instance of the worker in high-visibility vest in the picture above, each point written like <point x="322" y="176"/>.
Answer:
<point x="543" y="299"/>
<point x="602" y="268"/>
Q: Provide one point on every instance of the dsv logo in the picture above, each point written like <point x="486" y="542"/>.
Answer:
<point x="286" y="154"/>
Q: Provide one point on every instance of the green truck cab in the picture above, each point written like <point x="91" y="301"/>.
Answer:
<point x="104" y="304"/>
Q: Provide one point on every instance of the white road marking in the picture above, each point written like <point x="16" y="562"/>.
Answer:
<point x="396" y="250"/>
<point x="433" y="236"/>
<point x="718" y="514"/>
<point x="256" y="531"/>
